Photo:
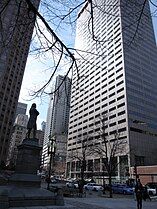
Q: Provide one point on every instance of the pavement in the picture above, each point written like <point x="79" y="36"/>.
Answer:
<point x="114" y="203"/>
<point x="91" y="202"/>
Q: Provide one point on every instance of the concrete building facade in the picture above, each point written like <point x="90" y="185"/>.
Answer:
<point x="57" y="121"/>
<point x="117" y="71"/>
<point x="15" y="36"/>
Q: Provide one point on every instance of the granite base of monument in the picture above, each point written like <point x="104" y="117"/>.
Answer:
<point x="24" y="185"/>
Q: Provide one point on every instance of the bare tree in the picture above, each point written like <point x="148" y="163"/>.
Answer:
<point x="108" y="150"/>
<point x="54" y="15"/>
<point x="80" y="156"/>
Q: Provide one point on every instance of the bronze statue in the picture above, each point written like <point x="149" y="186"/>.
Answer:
<point x="32" y="121"/>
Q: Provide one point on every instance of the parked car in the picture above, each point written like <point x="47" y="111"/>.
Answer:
<point x="151" y="188"/>
<point x="93" y="187"/>
<point x="42" y="175"/>
<point x="54" y="181"/>
<point x="122" y="189"/>
<point x="72" y="184"/>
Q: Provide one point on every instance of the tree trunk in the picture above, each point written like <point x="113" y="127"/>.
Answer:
<point x="110" y="187"/>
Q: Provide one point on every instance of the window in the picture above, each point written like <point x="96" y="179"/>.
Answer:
<point x="111" y="95"/>
<point x="118" y="84"/>
<point x="104" y="98"/>
<point x="97" y="109"/>
<point x="111" y="102"/>
<point x="121" y="129"/>
<point x="122" y="121"/>
<point x="121" y="105"/>
<point x="97" y="102"/>
<point x="112" y="124"/>
<point x="121" y="113"/>
<point x="111" y="88"/>
<point x="119" y="76"/>
<point x="119" y="69"/>
<point x="104" y="105"/>
<point x="120" y="90"/>
<point x="121" y="97"/>
<point x="111" y="109"/>
<point x="118" y="63"/>
<point x="112" y="116"/>
<point x="111" y="81"/>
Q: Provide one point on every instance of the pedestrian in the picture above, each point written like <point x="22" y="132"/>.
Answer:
<point x="80" y="187"/>
<point x="104" y="187"/>
<point x="138" y="192"/>
<point x="145" y="194"/>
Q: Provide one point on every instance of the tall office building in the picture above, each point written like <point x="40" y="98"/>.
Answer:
<point x="57" y="119"/>
<point x="117" y="67"/>
<point x="16" y="30"/>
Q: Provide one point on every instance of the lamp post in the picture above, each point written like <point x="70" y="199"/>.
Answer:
<point x="51" y="151"/>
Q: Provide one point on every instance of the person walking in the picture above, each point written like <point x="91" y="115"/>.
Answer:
<point x="138" y="192"/>
<point x="145" y="194"/>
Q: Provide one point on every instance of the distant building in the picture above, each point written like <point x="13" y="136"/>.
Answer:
<point x="15" y="36"/>
<point x="47" y="133"/>
<point x="43" y="126"/>
<point x="21" y="108"/>
<point x="40" y="136"/>
<point x="19" y="133"/>
<point x="57" y="120"/>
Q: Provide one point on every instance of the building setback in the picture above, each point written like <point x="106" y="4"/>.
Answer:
<point x="15" y="36"/>
<point x="118" y="79"/>
<point x="57" y="120"/>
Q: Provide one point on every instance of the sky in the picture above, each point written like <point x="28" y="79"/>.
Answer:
<point x="37" y="72"/>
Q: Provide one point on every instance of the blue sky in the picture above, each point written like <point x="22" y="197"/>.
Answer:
<point x="36" y="73"/>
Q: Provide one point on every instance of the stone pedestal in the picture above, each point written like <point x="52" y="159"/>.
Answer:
<point x="24" y="185"/>
<point x="28" y="162"/>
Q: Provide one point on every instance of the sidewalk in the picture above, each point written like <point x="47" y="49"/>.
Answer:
<point x="97" y="203"/>
<point x="93" y="200"/>
<point x="111" y="203"/>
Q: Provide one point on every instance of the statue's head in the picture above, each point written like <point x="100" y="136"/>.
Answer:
<point x="34" y="105"/>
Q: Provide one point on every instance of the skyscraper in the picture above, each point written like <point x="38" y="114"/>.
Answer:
<point x="15" y="35"/>
<point x="58" y="118"/>
<point x="117" y="67"/>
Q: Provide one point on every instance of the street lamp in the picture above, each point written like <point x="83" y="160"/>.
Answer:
<point x="51" y="151"/>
